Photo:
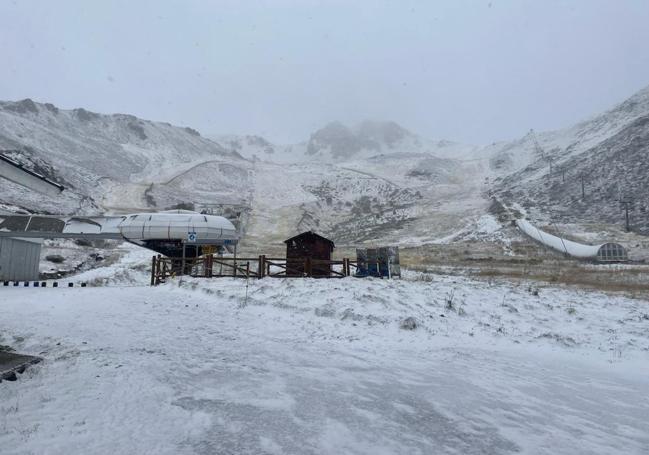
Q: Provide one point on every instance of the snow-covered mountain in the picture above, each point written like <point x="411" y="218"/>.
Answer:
<point x="375" y="182"/>
<point x="249" y="146"/>
<point x="98" y="158"/>
<point x="337" y="143"/>
<point x="561" y="145"/>
<point x="609" y="152"/>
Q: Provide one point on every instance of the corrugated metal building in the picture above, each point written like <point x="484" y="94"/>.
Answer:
<point x="19" y="259"/>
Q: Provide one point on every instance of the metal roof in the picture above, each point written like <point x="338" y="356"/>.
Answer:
<point x="17" y="173"/>
<point x="310" y="234"/>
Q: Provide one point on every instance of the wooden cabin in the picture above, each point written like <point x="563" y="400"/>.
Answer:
<point x="303" y="253"/>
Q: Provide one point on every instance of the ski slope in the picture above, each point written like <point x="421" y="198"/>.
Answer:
<point x="323" y="367"/>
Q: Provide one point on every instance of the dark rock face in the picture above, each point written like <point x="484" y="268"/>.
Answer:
<point x="409" y="323"/>
<point x="52" y="108"/>
<point x="389" y="133"/>
<point x="55" y="258"/>
<point x="138" y="129"/>
<point x="22" y="107"/>
<point x="341" y="141"/>
<point x="192" y="131"/>
<point x="258" y="141"/>
<point x="85" y="116"/>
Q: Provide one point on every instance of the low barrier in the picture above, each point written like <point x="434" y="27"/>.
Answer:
<point x="39" y="284"/>
<point x="211" y="266"/>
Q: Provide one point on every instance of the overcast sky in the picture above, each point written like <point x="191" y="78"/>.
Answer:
<point x="471" y="71"/>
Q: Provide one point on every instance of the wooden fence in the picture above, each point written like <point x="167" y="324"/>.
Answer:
<point x="212" y="266"/>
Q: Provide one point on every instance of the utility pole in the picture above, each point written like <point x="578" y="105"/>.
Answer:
<point x="540" y="153"/>
<point x="583" y="187"/>
<point x="627" y="203"/>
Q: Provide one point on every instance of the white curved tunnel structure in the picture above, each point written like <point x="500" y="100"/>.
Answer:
<point x="164" y="232"/>
<point x="606" y="252"/>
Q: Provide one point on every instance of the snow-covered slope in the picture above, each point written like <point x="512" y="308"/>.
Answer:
<point x="337" y="143"/>
<point x="609" y="154"/>
<point x="250" y="147"/>
<point x="375" y="182"/>
<point x="91" y="153"/>
<point x="426" y="364"/>
<point x="562" y="145"/>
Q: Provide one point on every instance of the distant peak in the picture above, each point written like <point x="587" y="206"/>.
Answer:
<point x="22" y="106"/>
<point x="387" y="132"/>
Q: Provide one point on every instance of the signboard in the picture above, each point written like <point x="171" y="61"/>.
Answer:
<point x="378" y="262"/>
<point x="191" y="236"/>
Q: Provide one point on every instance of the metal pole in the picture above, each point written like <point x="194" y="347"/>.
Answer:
<point x="627" y="206"/>
<point x="182" y="271"/>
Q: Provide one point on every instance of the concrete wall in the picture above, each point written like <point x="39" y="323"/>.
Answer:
<point x="19" y="259"/>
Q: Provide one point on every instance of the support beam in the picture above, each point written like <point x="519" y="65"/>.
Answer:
<point x="15" y="172"/>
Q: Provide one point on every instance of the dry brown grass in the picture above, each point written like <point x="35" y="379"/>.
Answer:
<point x="530" y="264"/>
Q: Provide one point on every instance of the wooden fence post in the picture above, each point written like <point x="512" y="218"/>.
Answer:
<point x="153" y="272"/>
<point x="262" y="266"/>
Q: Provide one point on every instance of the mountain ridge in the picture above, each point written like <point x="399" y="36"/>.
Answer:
<point x="374" y="181"/>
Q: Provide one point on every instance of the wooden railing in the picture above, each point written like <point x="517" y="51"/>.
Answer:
<point x="212" y="266"/>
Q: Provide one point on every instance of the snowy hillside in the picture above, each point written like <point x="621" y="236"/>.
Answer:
<point x="250" y="147"/>
<point x="92" y="153"/>
<point x="427" y="364"/>
<point x="610" y="153"/>
<point x="561" y="145"/>
<point x="337" y="143"/>
<point x="387" y="184"/>
<point x="372" y="183"/>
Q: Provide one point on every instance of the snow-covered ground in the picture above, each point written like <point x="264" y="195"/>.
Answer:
<point x="323" y="366"/>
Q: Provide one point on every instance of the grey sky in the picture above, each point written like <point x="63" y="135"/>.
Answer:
<point x="472" y="71"/>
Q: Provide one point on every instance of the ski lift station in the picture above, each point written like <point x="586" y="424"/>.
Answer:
<point x="174" y="233"/>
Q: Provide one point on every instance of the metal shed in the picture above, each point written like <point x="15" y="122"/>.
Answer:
<point x="19" y="259"/>
<point x="303" y="253"/>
